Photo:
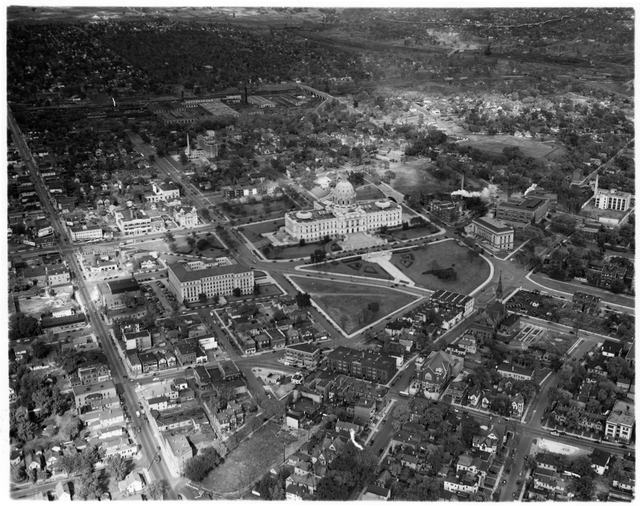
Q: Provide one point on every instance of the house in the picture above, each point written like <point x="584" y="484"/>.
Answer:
<point x="63" y="492"/>
<point x="490" y="438"/>
<point x="376" y="493"/>
<point x="435" y="373"/>
<point x="612" y="349"/>
<point x="546" y="461"/>
<point x="600" y="461"/>
<point x="517" y="404"/>
<point x="132" y="484"/>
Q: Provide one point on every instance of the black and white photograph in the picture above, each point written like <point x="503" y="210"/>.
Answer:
<point x="279" y="252"/>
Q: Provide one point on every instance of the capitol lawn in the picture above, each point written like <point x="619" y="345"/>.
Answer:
<point x="352" y="267"/>
<point x="347" y="303"/>
<point x="415" y="263"/>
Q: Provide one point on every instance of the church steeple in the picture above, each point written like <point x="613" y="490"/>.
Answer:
<point x="499" y="288"/>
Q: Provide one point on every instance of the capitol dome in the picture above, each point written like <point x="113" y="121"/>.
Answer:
<point x="344" y="194"/>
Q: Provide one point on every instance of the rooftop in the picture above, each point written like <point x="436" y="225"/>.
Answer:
<point x="184" y="273"/>
<point x="493" y="225"/>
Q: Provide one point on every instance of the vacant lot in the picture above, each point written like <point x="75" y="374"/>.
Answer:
<point x="353" y="267"/>
<point x="254" y="457"/>
<point x="471" y="272"/>
<point x="496" y="143"/>
<point x="348" y="303"/>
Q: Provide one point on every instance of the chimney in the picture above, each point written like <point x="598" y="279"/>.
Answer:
<point x="595" y="190"/>
<point x="462" y="182"/>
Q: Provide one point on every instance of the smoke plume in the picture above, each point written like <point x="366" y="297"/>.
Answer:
<point x="530" y="189"/>
<point x="484" y="194"/>
<point x="353" y="440"/>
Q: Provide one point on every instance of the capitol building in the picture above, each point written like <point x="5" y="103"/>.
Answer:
<point x="340" y="215"/>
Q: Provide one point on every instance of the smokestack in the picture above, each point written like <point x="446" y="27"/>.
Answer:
<point x="462" y="182"/>
<point x="246" y="96"/>
<point x="595" y="190"/>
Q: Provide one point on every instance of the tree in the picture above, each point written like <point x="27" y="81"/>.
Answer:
<point x="191" y="242"/>
<point x="89" y="487"/>
<point x="39" y="349"/>
<point x="117" y="467"/>
<point x="157" y="489"/>
<point x="203" y="244"/>
<point x="169" y="237"/>
<point x="302" y="242"/>
<point x="374" y="307"/>
<point x="237" y="292"/>
<point x="202" y="297"/>
<point x="318" y="256"/>
<point x="401" y="414"/>
<point x="206" y="215"/>
<point x="617" y="286"/>
<point x="184" y="159"/>
<point x="18" y="474"/>
<point x="303" y="299"/>
<point x="22" y="325"/>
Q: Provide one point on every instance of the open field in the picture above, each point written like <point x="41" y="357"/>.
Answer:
<point x="254" y="457"/>
<point x="496" y="143"/>
<point x="368" y="192"/>
<point x="414" y="263"/>
<point x="253" y="232"/>
<point x="353" y="267"/>
<point x="347" y="303"/>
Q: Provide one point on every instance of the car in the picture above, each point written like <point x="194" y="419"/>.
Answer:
<point x="156" y="379"/>
<point x="518" y="482"/>
<point x="125" y="377"/>
<point x="504" y="482"/>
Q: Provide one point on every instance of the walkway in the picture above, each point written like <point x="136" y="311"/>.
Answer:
<point x="383" y="259"/>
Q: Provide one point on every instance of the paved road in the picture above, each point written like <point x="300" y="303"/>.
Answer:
<point x="148" y="442"/>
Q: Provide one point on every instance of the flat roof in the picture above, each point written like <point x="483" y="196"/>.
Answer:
<point x="185" y="273"/>
<point x="123" y="285"/>
<point x="493" y="225"/>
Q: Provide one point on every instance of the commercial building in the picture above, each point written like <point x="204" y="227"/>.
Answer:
<point x="530" y="210"/>
<point x="114" y="294"/>
<point x="444" y="299"/>
<point x="620" y="422"/>
<point x="133" y="222"/>
<point x="85" y="394"/>
<point x="189" y="279"/>
<point x="612" y="198"/>
<point x="445" y="210"/>
<point x="498" y="234"/>
<point x="137" y="340"/>
<point x="302" y="355"/>
<point x="85" y="233"/>
<point x="341" y="216"/>
<point x="516" y="372"/>
<point x="163" y="192"/>
<point x="207" y="144"/>
<point x="362" y="364"/>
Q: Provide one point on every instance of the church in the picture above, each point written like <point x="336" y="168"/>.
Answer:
<point x="341" y="215"/>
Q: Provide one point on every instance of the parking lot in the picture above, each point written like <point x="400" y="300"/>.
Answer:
<point x="158" y="296"/>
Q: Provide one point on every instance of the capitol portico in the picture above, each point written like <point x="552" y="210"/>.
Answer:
<point x="341" y="215"/>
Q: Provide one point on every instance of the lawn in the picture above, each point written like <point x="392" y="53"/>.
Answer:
<point x="413" y="233"/>
<point x="255" y="230"/>
<point x="353" y="267"/>
<point x="369" y="192"/>
<point x="496" y="143"/>
<point x="415" y="263"/>
<point x="291" y="252"/>
<point x="347" y="303"/>
<point x="254" y="457"/>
